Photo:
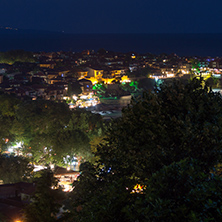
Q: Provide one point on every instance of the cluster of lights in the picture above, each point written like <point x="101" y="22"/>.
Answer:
<point x="125" y="79"/>
<point x="170" y="75"/>
<point x="84" y="101"/>
<point x="157" y="77"/>
<point x="38" y="168"/>
<point x="70" y="161"/>
<point x="15" y="148"/>
<point x="138" y="189"/>
<point x="184" y="71"/>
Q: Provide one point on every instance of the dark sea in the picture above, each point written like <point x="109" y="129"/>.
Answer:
<point x="181" y="44"/>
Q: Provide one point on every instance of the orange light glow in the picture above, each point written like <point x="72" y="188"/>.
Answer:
<point x="125" y="79"/>
<point x="138" y="189"/>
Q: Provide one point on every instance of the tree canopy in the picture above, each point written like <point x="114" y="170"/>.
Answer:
<point x="8" y="106"/>
<point x="13" y="56"/>
<point x="14" y="169"/>
<point x="45" y="201"/>
<point x="167" y="141"/>
<point x="47" y="130"/>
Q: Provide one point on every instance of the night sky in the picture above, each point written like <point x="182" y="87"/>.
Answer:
<point x="113" y="16"/>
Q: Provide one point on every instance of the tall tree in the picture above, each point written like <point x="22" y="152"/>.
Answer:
<point x="44" y="205"/>
<point x="8" y="107"/>
<point x="41" y="121"/>
<point x="13" y="56"/>
<point x="15" y="169"/>
<point x="74" y="139"/>
<point x="178" y="122"/>
<point x="178" y="192"/>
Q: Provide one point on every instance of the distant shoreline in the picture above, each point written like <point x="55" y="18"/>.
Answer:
<point x="181" y="44"/>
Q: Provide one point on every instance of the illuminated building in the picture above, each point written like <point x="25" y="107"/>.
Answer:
<point x="65" y="177"/>
<point x="106" y="75"/>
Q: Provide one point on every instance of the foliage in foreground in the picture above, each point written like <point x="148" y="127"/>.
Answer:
<point x="168" y="141"/>
<point x="178" y="192"/>
<point x="47" y="130"/>
<point x="14" y="169"/>
<point x="45" y="202"/>
<point x="13" y="56"/>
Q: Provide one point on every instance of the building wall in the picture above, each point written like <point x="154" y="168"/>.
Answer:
<point x="2" y="71"/>
<point x="94" y="72"/>
<point x="90" y="72"/>
<point x="7" y="191"/>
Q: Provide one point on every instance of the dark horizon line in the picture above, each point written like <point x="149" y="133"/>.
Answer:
<point x="102" y="33"/>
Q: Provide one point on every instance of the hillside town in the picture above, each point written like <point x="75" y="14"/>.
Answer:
<point x="59" y="76"/>
<point x="62" y="132"/>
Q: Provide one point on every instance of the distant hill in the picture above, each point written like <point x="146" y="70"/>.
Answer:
<point x="48" y="41"/>
<point x="31" y="40"/>
<point x="8" y="30"/>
